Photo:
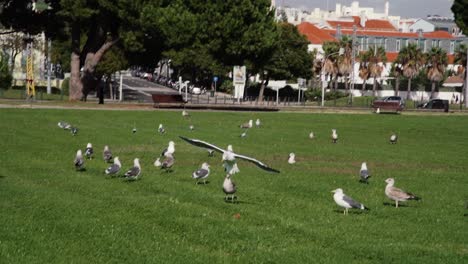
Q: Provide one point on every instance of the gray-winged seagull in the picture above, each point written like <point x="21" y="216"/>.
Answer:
<point x="202" y="173"/>
<point x="170" y="149"/>
<point x="397" y="195"/>
<point x="229" y="188"/>
<point x="114" y="168"/>
<point x="89" y="151"/>
<point x="346" y="202"/>
<point x="79" y="161"/>
<point x="228" y="154"/>
<point x="134" y="172"/>
<point x="74" y="130"/>
<point x="364" y="173"/>
<point x="168" y="162"/>
<point x="107" y="154"/>
<point x="161" y="129"/>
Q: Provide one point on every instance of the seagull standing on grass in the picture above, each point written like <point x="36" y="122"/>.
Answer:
<point x="393" y="138"/>
<point x="292" y="158"/>
<point x="168" y="162"/>
<point x="89" y="151"/>
<point x="107" y="154"/>
<point x="64" y="125"/>
<point x="397" y="195"/>
<point x="346" y="202"/>
<point x="334" y="136"/>
<point x="79" y="161"/>
<point x="114" y="168"/>
<point x="364" y="172"/>
<point x="378" y="110"/>
<point x="311" y="135"/>
<point x="258" y="123"/>
<point x="185" y="113"/>
<point x="248" y="124"/>
<point x="191" y="127"/>
<point x="157" y="162"/>
<point x="229" y="188"/>
<point x="161" y="129"/>
<point x="202" y="173"/>
<point x="244" y="134"/>
<point x="74" y="130"/>
<point x="134" y="172"/>
<point x="170" y="149"/>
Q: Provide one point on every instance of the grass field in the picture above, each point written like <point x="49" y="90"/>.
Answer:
<point x="52" y="214"/>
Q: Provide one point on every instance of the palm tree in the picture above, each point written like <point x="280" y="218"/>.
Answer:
<point x="344" y="62"/>
<point x="460" y="59"/>
<point x="330" y="67"/>
<point x="412" y="60"/>
<point x="364" y="69"/>
<point x="397" y="72"/>
<point x="437" y="61"/>
<point x="377" y="58"/>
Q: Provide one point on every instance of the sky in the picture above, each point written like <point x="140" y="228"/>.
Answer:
<point x="403" y="8"/>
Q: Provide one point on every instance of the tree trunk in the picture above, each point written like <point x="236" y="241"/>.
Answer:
<point x="433" y="88"/>
<point x="374" y="86"/>
<point x="262" y="87"/>
<point x="76" y="86"/>
<point x="408" y="95"/>
<point x="397" y="86"/>
<point x="363" y="88"/>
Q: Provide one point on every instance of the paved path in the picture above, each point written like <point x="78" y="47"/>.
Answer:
<point x="137" y="89"/>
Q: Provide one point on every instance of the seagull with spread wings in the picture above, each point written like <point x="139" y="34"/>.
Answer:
<point x="228" y="155"/>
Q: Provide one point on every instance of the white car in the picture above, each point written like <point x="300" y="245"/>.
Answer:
<point x="196" y="90"/>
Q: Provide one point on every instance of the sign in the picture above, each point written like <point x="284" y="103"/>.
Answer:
<point x="239" y="78"/>
<point x="215" y="79"/>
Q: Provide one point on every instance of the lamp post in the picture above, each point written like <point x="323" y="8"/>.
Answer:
<point x="340" y="52"/>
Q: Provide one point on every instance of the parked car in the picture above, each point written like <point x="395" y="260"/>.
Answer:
<point x="393" y="103"/>
<point x="435" y="104"/>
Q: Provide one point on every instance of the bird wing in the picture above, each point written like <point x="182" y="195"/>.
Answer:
<point x="257" y="162"/>
<point x="134" y="171"/>
<point x="351" y="202"/>
<point x="399" y="193"/>
<point x="200" y="173"/>
<point x="114" y="168"/>
<point x="202" y="144"/>
<point x="364" y="173"/>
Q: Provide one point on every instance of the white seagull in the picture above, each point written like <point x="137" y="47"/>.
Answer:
<point x="89" y="151"/>
<point x="185" y="113"/>
<point x="79" y="161"/>
<point x="258" y="123"/>
<point x="202" y="173"/>
<point x="247" y="125"/>
<point x="364" y="172"/>
<point x="334" y="136"/>
<point x="228" y="154"/>
<point x="191" y="127"/>
<point x="378" y="110"/>
<point x="229" y="188"/>
<point x="346" y="202"/>
<point x="292" y="158"/>
<point x="107" y="154"/>
<point x="311" y="135"/>
<point x="134" y="172"/>
<point x="64" y="125"/>
<point x="244" y="134"/>
<point x="170" y="149"/>
<point x="114" y="168"/>
<point x="157" y="162"/>
<point x="229" y="161"/>
<point x="393" y="138"/>
<point x="397" y="195"/>
<point x="161" y="129"/>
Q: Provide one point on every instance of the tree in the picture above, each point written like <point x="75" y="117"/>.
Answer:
<point x="437" y="61"/>
<point x="364" y="71"/>
<point x="345" y="61"/>
<point x="330" y="66"/>
<point x="377" y="58"/>
<point x="113" y="61"/>
<point x="412" y="60"/>
<point x="460" y="59"/>
<point x="397" y="71"/>
<point x="461" y="14"/>
<point x="5" y="75"/>
<point x="12" y="45"/>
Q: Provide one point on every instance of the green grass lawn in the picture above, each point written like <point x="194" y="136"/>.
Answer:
<point x="52" y="214"/>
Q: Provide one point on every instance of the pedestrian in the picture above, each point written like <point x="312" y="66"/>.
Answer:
<point x="456" y="99"/>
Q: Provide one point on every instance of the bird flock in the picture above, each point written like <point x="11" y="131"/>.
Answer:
<point x="166" y="160"/>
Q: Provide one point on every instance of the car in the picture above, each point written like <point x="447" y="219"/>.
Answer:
<point x="196" y="90"/>
<point x="394" y="103"/>
<point x="435" y="104"/>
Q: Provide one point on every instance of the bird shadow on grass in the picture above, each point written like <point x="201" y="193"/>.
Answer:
<point x="237" y="202"/>
<point x="203" y="183"/>
<point x="2" y="176"/>
<point x="354" y="212"/>
<point x="393" y="204"/>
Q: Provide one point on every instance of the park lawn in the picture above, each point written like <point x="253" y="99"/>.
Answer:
<point x="52" y="214"/>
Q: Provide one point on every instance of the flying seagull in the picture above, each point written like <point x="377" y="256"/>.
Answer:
<point x="134" y="172"/>
<point x="334" y="136"/>
<point x="168" y="162"/>
<point x="311" y="135"/>
<point x="107" y="154"/>
<point x="161" y="129"/>
<point x="89" y="151"/>
<point x="202" y="173"/>
<point x="364" y="172"/>
<point x="393" y="138"/>
<point x="64" y="125"/>
<point x="229" y="161"/>
<point x="114" y="168"/>
<point x="170" y="149"/>
<point x="292" y="158"/>
<point x="258" y="123"/>
<point x="397" y="195"/>
<point x="206" y="145"/>
<point x="247" y="125"/>
<point x="79" y="161"/>
<point x="347" y="202"/>
<point x="229" y="188"/>
<point x="74" y="130"/>
<point x="210" y="152"/>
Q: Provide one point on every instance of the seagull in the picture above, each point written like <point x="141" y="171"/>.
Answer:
<point x="257" y="123"/>
<point x="114" y="168"/>
<point x="134" y="172"/>
<point x="74" y="130"/>
<point x="79" y="161"/>
<point x="89" y="151"/>
<point x="64" y="125"/>
<point x="210" y="152"/>
<point x="157" y="162"/>
<point x="292" y="159"/>
<point x="107" y="154"/>
<point x="161" y="129"/>
<point x="202" y="173"/>
<point x="170" y="149"/>
<point x="226" y="153"/>
<point x="248" y="124"/>
<point x="168" y="162"/>
<point x="229" y="161"/>
<point x="378" y="110"/>
<point x="364" y="172"/>
<point x="244" y="134"/>
<point x="393" y="138"/>
<point x="311" y="135"/>
<point x="185" y="113"/>
<point x="334" y="136"/>
<point x="191" y="127"/>
<point x="134" y="130"/>
<point x="229" y="188"/>
<point x="347" y="202"/>
<point x="396" y="194"/>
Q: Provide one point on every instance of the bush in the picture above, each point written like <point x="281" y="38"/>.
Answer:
<point x="66" y="86"/>
<point x="316" y="95"/>
<point x="226" y="86"/>
<point x="5" y="76"/>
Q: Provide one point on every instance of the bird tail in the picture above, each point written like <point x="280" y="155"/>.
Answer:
<point x="414" y="197"/>
<point x="365" y="208"/>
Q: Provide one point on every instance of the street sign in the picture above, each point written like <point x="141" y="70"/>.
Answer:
<point x="215" y="79"/>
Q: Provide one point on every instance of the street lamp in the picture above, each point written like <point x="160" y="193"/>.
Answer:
<point x="340" y="52"/>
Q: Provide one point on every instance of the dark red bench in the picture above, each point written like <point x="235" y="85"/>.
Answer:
<point x="171" y="100"/>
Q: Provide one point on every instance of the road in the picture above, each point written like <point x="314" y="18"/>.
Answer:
<point x="137" y="89"/>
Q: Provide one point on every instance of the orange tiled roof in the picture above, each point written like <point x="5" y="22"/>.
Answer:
<point x="435" y="34"/>
<point x="371" y="24"/>
<point x="314" y="34"/>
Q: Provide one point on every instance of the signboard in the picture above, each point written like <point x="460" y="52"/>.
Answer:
<point x="239" y="78"/>
<point x="215" y="79"/>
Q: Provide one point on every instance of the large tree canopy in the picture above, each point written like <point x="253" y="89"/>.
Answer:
<point x="460" y="13"/>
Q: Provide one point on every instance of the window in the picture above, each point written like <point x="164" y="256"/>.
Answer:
<point x="366" y="44"/>
<point x="404" y="43"/>
<point x="422" y="44"/>
<point x="361" y="40"/>
<point x="385" y="44"/>
<point x="398" y="45"/>
<point x="434" y="43"/>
